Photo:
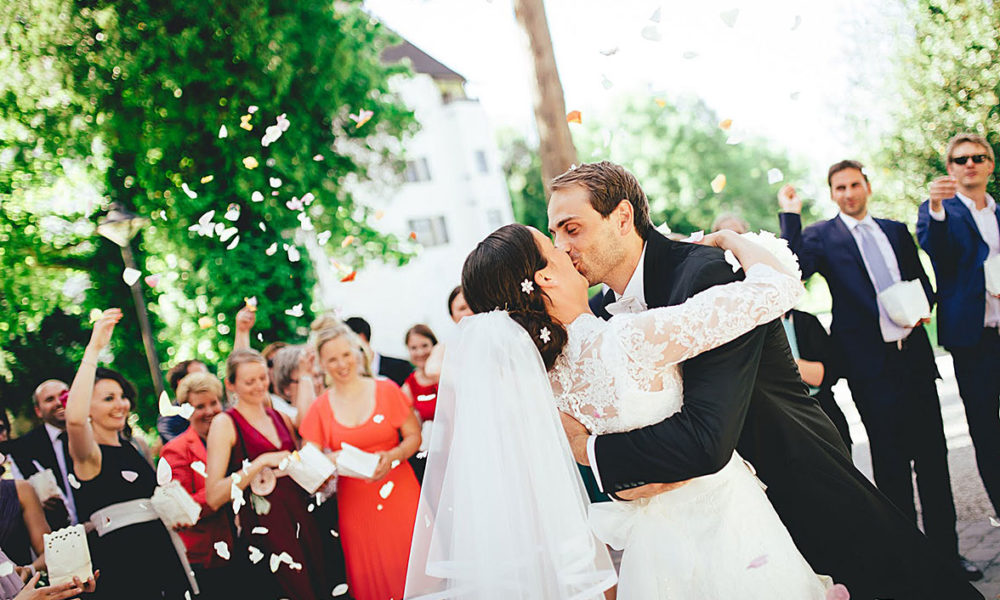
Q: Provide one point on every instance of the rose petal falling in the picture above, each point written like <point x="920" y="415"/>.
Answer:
<point x="655" y="17"/>
<point x="274" y="181"/>
<point x="323" y="237"/>
<point x="386" y="489"/>
<point x="838" y="592"/>
<point x="250" y="303"/>
<point x="318" y="157"/>
<point x="199" y="468"/>
<point x="207" y="178"/>
<point x="413" y="235"/>
<point x="361" y="118"/>
<point x="758" y="562"/>
<point x="190" y="193"/>
<point x="798" y="21"/>
<point x="73" y="481"/>
<point x="130" y="476"/>
<point x="259" y="531"/>
<point x="275" y="563"/>
<point x="257" y="197"/>
<point x="719" y="183"/>
<point x="295" y="311"/>
<point x="205" y="322"/>
<point x="334" y="533"/>
<point x="233" y="244"/>
<point x="293" y="254"/>
<point x="252" y="109"/>
<point x="609" y="51"/>
<point x="378" y="418"/>
<point x="774" y="176"/>
<point x="130" y="276"/>
<point x="729" y="17"/>
<point x="250" y="162"/>
<point x="163" y="472"/>
<point x="294" y="204"/>
<point x="347" y="241"/>
<point x="574" y="116"/>
<point x="222" y="549"/>
<point x="233" y="212"/>
<point x="349" y="277"/>
<point x="151" y="280"/>
<point x="223" y="132"/>
<point x="652" y="33"/>
<point x="255" y="554"/>
<point x="340" y="590"/>
<point x="227" y="232"/>
<point x="379" y="507"/>
<point x="725" y="124"/>
<point x="271" y="249"/>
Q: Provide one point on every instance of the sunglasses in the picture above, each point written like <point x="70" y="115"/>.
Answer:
<point x="976" y="158"/>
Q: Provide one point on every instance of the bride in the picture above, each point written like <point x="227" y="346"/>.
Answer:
<point x="502" y="511"/>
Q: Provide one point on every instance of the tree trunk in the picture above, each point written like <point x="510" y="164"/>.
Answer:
<point x="555" y="145"/>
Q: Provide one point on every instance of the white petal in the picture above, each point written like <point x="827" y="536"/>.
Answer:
<point x="223" y="132"/>
<point x="130" y="275"/>
<point x="163" y="472"/>
<point x="130" y="476"/>
<point x="340" y="590"/>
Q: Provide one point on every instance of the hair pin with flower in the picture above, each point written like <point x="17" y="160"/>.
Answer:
<point x="544" y="335"/>
<point x="527" y="286"/>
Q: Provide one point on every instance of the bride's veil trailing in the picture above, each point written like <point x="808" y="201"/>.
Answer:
<point x="502" y="511"/>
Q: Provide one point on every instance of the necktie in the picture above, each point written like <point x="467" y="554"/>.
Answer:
<point x="876" y="262"/>
<point x="66" y="457"/>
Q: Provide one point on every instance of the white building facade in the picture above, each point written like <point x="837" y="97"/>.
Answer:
<point x="454" y="194"/>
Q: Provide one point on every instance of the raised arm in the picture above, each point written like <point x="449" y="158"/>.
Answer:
<point x="790" y="219"/>
<point x="701" y="437"/>
<point x="83" y="446"/>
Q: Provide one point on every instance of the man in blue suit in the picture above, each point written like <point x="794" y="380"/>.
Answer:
<point x="889" y="366"/>
<point x="958" y="227"/>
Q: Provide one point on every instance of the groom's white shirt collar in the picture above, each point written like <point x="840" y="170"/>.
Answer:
<point x="636" y="288"/>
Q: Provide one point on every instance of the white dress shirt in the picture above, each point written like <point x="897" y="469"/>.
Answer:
<point x="986" y="222"/>
<point x="636" y="288"/>
<point x="57" y="446"/>
<point x="891" y="332"/>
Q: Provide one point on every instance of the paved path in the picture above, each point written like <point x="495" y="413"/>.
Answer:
<point x="978" y="540"/>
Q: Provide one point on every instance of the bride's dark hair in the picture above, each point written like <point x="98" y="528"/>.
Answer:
<point x="492" y="277"/>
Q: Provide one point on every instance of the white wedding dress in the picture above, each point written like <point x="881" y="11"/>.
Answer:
<point x="717" y="536"/>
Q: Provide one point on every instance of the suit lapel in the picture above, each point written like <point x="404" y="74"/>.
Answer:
<point x="895" y="242"/>
<point x="657" y="270"/>
<point x="841" y="237"/>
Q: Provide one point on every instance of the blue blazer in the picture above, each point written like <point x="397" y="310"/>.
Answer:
<point x="957" y="251"/>
<point x="828" y="248"/>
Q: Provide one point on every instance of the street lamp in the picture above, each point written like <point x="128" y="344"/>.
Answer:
<point x="120" y="226"/>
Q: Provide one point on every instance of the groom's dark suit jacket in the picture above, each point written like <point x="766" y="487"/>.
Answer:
<point x="747" y="395"/>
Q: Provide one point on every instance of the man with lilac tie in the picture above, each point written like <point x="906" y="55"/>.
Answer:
<point x="889" y="366"/>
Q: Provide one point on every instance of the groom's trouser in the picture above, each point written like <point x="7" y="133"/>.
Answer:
<point x="902" y="416"/>
<point x="977" y="370"/>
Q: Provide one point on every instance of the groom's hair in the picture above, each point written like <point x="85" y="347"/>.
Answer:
<point x="609" y="184"/>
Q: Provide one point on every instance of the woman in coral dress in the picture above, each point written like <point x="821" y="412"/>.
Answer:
<point x="376" y="514"/>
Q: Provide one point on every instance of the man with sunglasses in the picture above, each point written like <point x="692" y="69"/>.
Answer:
<point x="959" y="227"/>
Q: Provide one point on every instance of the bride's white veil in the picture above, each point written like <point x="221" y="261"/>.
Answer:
<point x="502" y="510"/>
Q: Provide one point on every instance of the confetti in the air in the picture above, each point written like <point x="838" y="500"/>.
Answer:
<point x="361" y="118"/>
<point x="151" y="280"/>
<point x="199" y="468"/>
<point x="259" y="531"/>
<point x="257" y="197"/>
<point x="255" y="554"/>
<point x="323" y="237"/>
<point x="295" y="311"/>
<point x="293" y="254"/>
<point x="6" y="569"/>
<point x="318" y="157"/>
<point x="308" y="198"/>
<point x="207" y="178"/>
<point x="574" y="116"/>
<point x="233" y="212"/>
<point x="274" y="182"/>
<point x="733" y="140"/>
<point x="606" y="83"/>
<point x="234" y="243"/>
<point x="252" y="109"/>
<point x="655" y="17"/>
<point x="190" y="193"/>
<point x="205" y="322"/>
<point x="273" y="132"/>
<point x="294" y="204"/>
<point x="226" y="233"/>
<point x="347" y="241"/>
<point x="838" y="592"/>
<point x="349" y="277"/>
<point x="222" y="549"/>
<point x="379" y="507"/>
<point x="73" y="481"/>
<point x="163" y="472"/>
<point x="729" y="17"/>
<point x="245" y="122"/>
<point x="271" y="249"/>
<point x="725" y="124"/>
<point x="758" y="562"/>
<point x="719" y="183"/>
<point x="250" y="303"/>
<point x="794" y="95"/>
<point x="774" y="176"/>
<point x="609" y="51"/>
<point x="413" y="235"/>
<point x="223" y="132"/>
<point x="378" y="418"/>
<point x="130" y="476"/>
<point x="130" y="275"/>
<point x="660" y="102"/>
<point x="334" y="533"/>
<point x="386" y="489"/>
<point x="652" y="33"/>
<point x="798" y="21"/>
<point x="250" y="162"/>
<point x="340" y="590"/>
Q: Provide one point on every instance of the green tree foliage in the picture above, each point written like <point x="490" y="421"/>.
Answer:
<point x="128" y="98"/>
<point x="676" y="149"/>
<point x="947" y="81"/>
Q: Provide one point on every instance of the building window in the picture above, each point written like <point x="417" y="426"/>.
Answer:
<point x="417" y="170"/>
<point x="494" y="218"/>
<point x="430" y="231"/>
<point x="481" y="162"/>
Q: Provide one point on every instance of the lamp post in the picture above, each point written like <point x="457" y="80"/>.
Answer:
<point x="120" y="226"/>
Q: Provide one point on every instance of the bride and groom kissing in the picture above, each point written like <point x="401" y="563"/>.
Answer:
<point x="730" y="481"/>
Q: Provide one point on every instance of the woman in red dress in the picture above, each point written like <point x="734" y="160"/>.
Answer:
<point x="421" y="388"/>
<point x="246" y="447"/>
<point x="376" y="514"/>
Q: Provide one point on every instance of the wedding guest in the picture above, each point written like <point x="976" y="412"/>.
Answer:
<point x="810" y="346"/>
<point x="959" y="228"/>
<point x="293" y="380"/>
<point x="22" y="525"/>
<point x="376" y="514"/>
<point x="395" y="369"/>
<point x="45" y="447"/>
<point x="458" y="309"/>
<point x="186" y="454"/>
<point x="889" y="366"/>
<point x="171" y="427"/>
<point x="420" y="388"/>
<point x="13" y="588"/>
<point x="115" y="483"/>
<point x="246" y="446"/>
<point x="730" y="221"/>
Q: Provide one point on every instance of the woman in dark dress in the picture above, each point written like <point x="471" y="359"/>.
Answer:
<point x="246" y="446"/>
<point x="137" y="560"/>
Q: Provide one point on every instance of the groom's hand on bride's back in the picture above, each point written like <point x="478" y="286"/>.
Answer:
<point x="648" y="490"/>
<point x="577" y="435"/>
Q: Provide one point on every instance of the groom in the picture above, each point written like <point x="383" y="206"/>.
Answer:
<point x="746" y="395"/>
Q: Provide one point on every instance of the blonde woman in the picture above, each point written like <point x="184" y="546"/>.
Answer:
<point x="376" y="514"/>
